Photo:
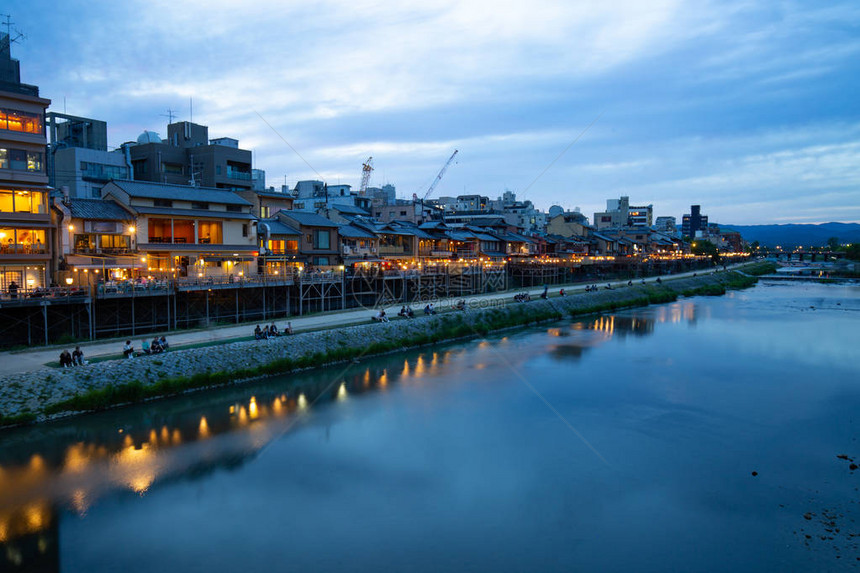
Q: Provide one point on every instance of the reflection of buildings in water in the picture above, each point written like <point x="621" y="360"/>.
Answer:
<point x="615" y="324"/>
<point x="30" y="538"/>
<point x="184" y="438"/>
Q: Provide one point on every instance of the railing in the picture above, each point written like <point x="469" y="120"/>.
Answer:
<point x="21" y="249"/>
<point x="104" y="251"/>
<point x="126" y="288"/>
<point x="52" y="293"/>
<point x="241" y="175"/>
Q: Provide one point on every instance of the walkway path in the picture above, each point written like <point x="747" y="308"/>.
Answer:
<point x="36" y="358"/>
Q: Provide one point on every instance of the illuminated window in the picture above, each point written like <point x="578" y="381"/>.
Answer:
<point x="21" y="121"/>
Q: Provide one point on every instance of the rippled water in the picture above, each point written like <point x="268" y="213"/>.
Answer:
<point x="624" y="442"/>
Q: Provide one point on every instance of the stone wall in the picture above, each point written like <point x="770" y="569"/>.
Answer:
<point x="32" y="392"/>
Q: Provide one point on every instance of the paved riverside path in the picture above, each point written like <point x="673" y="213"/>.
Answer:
<point x="31" y="359"/>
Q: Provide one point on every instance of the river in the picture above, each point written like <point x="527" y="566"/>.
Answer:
<point x="701" y="435"/>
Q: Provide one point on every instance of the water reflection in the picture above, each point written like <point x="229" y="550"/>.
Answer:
<point x="134" y="449"/>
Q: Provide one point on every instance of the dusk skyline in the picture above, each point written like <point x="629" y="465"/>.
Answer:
<point x="747" y="110"/>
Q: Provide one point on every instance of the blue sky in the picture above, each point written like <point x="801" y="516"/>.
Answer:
<point x="747" y="108"/>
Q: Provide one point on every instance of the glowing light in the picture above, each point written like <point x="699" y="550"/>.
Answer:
<point x="203" y="428"/>
<point x="252" y="408"/>
<point x="341" y="392"/>
<point x="303" y="402"/>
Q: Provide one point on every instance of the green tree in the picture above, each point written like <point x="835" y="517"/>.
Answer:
<point x="700" y="247"/>
<point x="833" y="243"/>
<point x="853" y="251"/>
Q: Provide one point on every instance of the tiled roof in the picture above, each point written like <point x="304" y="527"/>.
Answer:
<point x="101" y="209"/>
<point x="353" y="232"/>
<point x="150" y="190"/>
<point x="309" y="219"/>
<point x="276" y="227"/>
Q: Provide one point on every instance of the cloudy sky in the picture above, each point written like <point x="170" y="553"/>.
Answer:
<point x="750" y="109"/>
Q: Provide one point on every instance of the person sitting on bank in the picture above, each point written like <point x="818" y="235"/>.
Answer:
<point x="409" y="312"/>
<point x="266" y="333"/>
<point x="461" y="305"/>
<point x="289" y="328"/>
<point x="144" y="347"/>
<point x="163" y="342"/>
<point x="545" y="292"/>
<point x="78" y="356"/>
<point x="65" y="359"/>
<point x="561" y="292"/>
<point x="155" y="346"/>
<point x="402" y="311"/>
<point x="128" y="349"/>
<point x="429" y="309"/>
<point x="380" y="316"/>
<point x="258" y="333"/>
<point x="273" y="330"/>
<point x="659" y="281"/>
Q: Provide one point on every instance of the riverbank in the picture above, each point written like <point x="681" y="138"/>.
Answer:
<point x="43" y="394"/>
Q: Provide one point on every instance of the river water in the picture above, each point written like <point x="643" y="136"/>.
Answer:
<point x="701" y="435"/>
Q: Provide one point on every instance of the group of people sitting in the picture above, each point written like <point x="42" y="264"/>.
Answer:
<point x="272" y="331"/>
<point x="157" y="346"/>
<point x="406" y="311"/>
<point x="69" y="359"/>
<point x="522" y="297"/>
<point x="428" y="310"/>
<point x="460" y="305"/>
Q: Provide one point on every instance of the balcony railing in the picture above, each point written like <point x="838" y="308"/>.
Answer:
<point x="241" y="175"/>
<point x="22" y="249"/>
<point x="113" y="251"/>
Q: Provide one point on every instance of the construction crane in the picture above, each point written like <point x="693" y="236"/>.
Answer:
<point x="366" y="168"/>
<point x="435" y="182"/>
<point x="439" y="177"/>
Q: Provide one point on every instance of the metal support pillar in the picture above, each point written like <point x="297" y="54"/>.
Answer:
<point x="45" y="317"/>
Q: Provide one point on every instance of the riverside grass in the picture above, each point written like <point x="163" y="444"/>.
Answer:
<point x="449" y="327"/>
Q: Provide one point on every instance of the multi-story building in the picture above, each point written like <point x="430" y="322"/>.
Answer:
<point x="78" y="158"/>
<point x="26" y="232"/>
<point x="189" y="157"/>
<point x="185" y="231"/>
<point x="620" y="213"/>
<point x="666" y="225"/>
<point x="694" y="224"/>
<point x="97" y="241"/>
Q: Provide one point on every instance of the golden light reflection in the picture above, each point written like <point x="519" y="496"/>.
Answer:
<point x="367" y="378"/>
<point x="383" y="378"/>
<point x="127" y="442"/>
<point x="165" y="434"/>
<point x="153" y="437"/>
<point x="243" y="416"/>
<point x="37" y="516"/>
<point x="176" y="438"/>
<point x="483" y="344"/>
<point x="203" y="428"/>
<point x="303" y="402"/>
<point x="420" y="367"/>
<point x="278" y="406"/>
<point x="79" y="501"/>
<point x="136" y="467"/>
<point x="341" y="392"/>
<point x="405" y="371"/>
<point x="37" y="463"/>
<point x="76" y="458"/>
<point x="252" y="408"/>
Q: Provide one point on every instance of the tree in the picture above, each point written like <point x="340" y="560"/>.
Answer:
<point x="853" y="251"/>
<point x="833" y="243"/>
<point x="700" y="247"/>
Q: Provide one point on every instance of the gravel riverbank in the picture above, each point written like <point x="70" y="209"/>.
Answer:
<point x="33" y="395"/>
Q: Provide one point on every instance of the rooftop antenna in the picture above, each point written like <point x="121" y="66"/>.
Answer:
<point x="9" y="29"/>
<point x="191" y="110"/>
<point x="169" y="115"/>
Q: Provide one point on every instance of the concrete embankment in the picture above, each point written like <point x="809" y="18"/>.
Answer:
<point x="38" y="395"/>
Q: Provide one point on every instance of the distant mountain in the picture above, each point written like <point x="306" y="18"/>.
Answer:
<point x="797" y="235"/>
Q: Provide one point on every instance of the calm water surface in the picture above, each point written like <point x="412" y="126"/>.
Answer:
<point x="625" y="442"/>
